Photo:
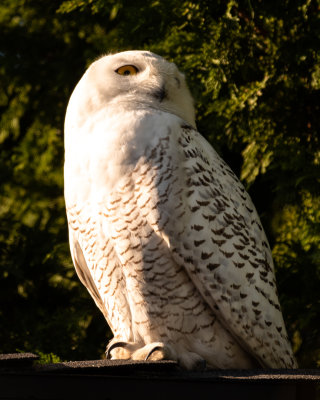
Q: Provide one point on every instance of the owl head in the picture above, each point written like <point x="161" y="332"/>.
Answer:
<point x="135" y="79"/>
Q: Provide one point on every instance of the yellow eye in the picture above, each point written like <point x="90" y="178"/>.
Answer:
<point x="127" y="70"/>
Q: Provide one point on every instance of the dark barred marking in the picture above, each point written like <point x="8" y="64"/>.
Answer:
<point x="186" y="246"/>
<point x="203" y="203"/>
<point x="244" y="256"/>
<point x="197" y="227"/>
<point x="238" y="265"/>
<point x="190" y="193"/>
<point x="205" y="256"/>
<point x="227" y="254"/>
<point x="213" y="286"/>
<point x="234" y="286"/>
<point x="197" y="243"/>
<point x="254" y="265"/>
<point x="227" y="236"/>
<point x="238" y="246"/>
<point x="218" y="242"/>
<point x="212" y="267"/>
<point x="209" y="217"/>
<point x="218" y="231"/>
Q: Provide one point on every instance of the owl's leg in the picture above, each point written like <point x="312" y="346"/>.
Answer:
<point x="135" y="351"/>
<point x="163" y="351"/>
<point x="121" y="350"/>
<point x="155" y="351"/>
<point x="111" y="346"/>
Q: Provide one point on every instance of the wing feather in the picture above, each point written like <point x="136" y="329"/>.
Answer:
<point x="85" y="275"/>
<point x="214" y="232"/>
<point x="98" y="268"/>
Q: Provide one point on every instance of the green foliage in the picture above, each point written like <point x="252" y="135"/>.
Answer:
<point x="254" y="70"/>
<point x="49" y="358"/>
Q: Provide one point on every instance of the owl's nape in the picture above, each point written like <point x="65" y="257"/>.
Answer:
<point x="162" y="233"/>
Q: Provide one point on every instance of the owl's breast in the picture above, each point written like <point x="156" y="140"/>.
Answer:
<point x="106" y="150"/>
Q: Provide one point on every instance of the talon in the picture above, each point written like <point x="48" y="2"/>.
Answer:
<point x="114" y="346"/>
<point x="156" y="348"/>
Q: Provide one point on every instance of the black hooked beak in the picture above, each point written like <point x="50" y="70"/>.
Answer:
<point x="160" y="94"/>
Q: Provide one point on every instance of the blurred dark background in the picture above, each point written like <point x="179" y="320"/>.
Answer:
<point x="254" y="70"/>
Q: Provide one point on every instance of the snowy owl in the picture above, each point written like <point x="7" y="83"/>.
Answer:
<point x="162" y="233"/>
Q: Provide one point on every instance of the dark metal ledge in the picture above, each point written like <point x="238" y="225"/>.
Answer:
<point x="21" y="378"/>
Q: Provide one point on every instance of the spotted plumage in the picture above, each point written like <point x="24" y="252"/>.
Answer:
<point x="162" y="233"/>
